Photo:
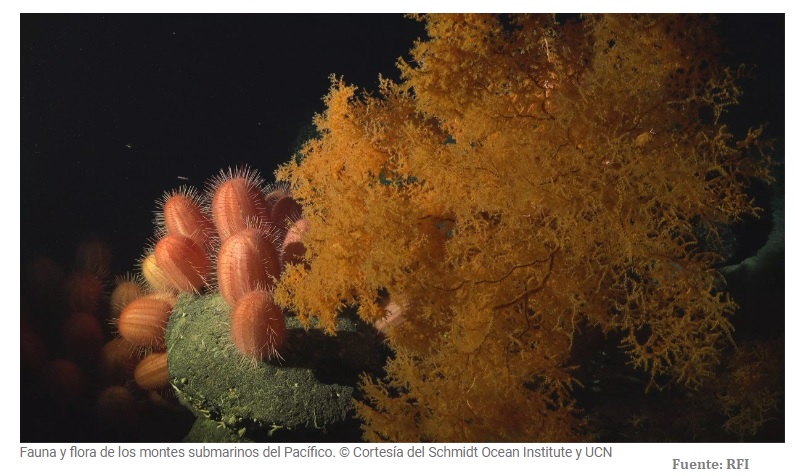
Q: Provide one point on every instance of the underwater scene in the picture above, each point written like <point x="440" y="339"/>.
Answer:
<point x="389" y="228"/>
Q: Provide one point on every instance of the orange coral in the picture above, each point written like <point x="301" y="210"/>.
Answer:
<point x="521" y="182"/>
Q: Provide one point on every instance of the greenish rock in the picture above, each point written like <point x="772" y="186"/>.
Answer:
<point x="205" y="430"/>
<point x="307" y="396"/>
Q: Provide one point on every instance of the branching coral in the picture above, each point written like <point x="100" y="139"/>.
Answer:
<point x="523" y="181"/>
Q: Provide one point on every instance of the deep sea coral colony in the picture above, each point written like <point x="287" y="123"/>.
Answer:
<point x="530" y="201"/>
<point x="529" y="198"/>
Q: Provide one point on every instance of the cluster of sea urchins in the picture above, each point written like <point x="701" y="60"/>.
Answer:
<point x="236" y="237"/>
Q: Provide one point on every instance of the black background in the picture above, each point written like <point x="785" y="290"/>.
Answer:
<point x="116" y="107"/>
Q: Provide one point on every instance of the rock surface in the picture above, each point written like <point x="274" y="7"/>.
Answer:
<point x="306" y="397"/>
